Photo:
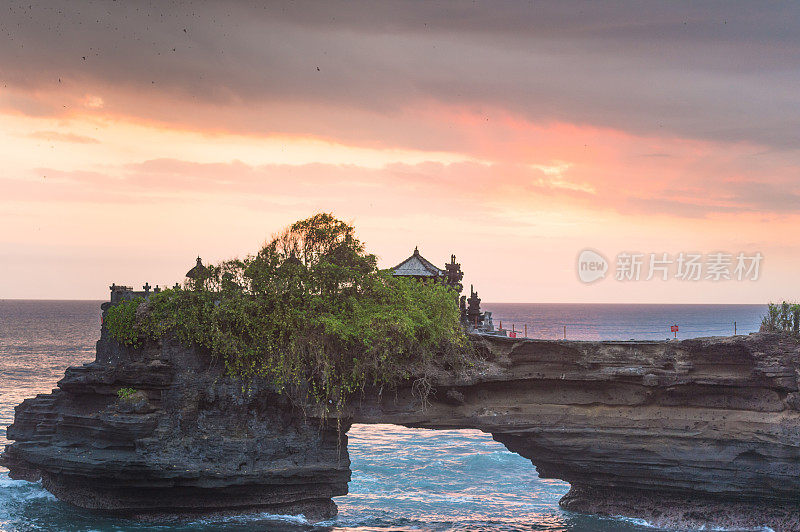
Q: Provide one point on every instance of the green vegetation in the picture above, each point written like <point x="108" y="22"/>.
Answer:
<point x="782" y="317"/>
<point x="312" y="313"/>
<point x="124" y="393"/>
<point x="120" y="322"/>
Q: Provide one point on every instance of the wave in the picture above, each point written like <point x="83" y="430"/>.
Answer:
<point x="644" y="523"/>
<point x="22" y="490"/>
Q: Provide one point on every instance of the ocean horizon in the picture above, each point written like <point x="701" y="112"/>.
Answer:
<point x="600" y="321"/>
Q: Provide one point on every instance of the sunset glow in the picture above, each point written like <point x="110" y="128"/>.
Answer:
<point x="132" y="142"/>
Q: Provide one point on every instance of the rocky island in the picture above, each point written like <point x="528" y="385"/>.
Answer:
<point x="680" y="433"/>
<point x="236" y="392"/>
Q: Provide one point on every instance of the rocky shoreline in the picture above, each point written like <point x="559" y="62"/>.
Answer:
<point x="681" y="433"/>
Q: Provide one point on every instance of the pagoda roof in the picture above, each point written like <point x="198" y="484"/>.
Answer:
<point x="198" y="272"/>
<point x="417" y="266"/>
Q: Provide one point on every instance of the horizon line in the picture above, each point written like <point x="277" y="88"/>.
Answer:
<point x="482" y="302"/>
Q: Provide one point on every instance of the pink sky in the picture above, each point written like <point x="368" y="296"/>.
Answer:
<point x="133" y="140"/>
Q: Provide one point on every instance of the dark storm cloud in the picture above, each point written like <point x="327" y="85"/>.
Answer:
<point x="720" y="70"/>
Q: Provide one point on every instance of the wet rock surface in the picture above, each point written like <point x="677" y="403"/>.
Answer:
<point x="682" y="433"/>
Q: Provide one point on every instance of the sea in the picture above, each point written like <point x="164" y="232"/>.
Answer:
<point x="402" y="479"/>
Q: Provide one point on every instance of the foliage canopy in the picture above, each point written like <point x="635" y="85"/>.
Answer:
<point x="311" y="312"/>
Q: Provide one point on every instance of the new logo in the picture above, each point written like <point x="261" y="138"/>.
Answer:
<point x="592" y="266"/>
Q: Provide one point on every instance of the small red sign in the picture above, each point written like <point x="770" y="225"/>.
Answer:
<point x="673" y="328"/>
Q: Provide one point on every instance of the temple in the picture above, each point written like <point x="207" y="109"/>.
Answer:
<point x="199" y="271"/>
<point x="198" y="274"/>
<point x="418" y="267"/>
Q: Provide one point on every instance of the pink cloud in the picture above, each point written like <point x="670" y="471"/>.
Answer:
<point x="55" y="136"/>
<point x="483" y="187"/>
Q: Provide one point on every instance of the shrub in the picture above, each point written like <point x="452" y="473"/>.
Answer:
<point x="312" y="313"/>
<point x="124" y="393"/>
<point x="782" y="317"/>
<point x="120" y="322"/>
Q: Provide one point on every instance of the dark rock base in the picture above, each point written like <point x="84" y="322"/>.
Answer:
<point x="682" y="511"/>
<point x="154" y="504"/>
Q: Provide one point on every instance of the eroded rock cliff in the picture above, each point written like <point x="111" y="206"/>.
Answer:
<point x="681" y="433"/>
<point x="187" y="440"/>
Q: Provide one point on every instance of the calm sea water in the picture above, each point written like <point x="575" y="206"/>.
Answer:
<point x="403" y="479"/>
<point x="626" y="322"/>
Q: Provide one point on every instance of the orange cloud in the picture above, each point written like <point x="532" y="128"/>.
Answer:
<point x="55" y="136"/>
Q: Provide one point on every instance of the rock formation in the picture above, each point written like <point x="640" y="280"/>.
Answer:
<point x="188" y="440"/>
<point x="681" y="433"/>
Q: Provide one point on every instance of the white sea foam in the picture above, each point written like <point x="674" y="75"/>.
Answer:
<point x="299" y="519"/>
<point x="635" y="521"/>
<point x="645" y="523"/>
<point x="22" y="490"/>
<point x="723" y="529"/>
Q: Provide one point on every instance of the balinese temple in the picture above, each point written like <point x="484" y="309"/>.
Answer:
<point x="196" y="277"/>
<point x="418" y="267"/>
<point x="199" y="271"/>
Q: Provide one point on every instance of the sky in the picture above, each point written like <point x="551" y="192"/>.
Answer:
<point x="135" y="136"/>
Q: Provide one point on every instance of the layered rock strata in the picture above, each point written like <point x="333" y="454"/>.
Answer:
<point x="186" y="440"/>
<point x="682" y="433"/>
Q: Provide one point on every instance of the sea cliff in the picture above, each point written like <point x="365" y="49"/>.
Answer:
<point x="682" y="433"/>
